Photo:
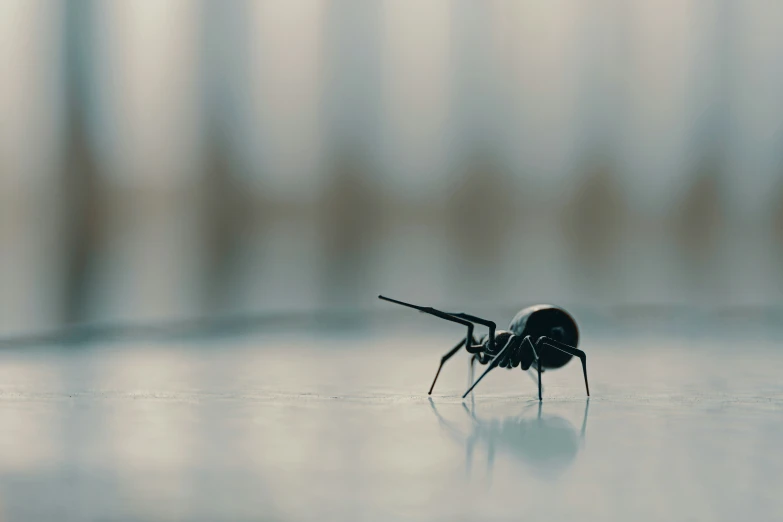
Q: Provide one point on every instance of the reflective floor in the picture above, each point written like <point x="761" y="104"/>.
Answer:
<point x="298" y="427"/>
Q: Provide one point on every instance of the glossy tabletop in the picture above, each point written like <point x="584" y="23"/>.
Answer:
<point x="337" y="426"/>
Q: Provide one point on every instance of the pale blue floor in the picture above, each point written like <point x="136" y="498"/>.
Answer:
<point x="295" y="427"/>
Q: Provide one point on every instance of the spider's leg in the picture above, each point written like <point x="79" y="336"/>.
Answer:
<point x="460" y="318"/>
<point x="478" y="320"/>
<point x="443" y="360"/>
<point x="572" y="350"/>
<point x="538" y="365"/>
<point x="457" y="317"/>
<point x="437" y="313"/>
<point x="494" y="363"/>
<point x="537" y="362"/>
<point x="469" y="340"/>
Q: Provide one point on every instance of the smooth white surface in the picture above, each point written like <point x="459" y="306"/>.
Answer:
<point x="271" y="427"/>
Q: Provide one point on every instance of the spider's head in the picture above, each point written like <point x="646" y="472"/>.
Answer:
<point x="501" y="338"/>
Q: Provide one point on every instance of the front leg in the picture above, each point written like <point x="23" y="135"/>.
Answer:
<point x="445" y="358"/>
<point x="478" y="320"/>
<point x="502" y="356"/>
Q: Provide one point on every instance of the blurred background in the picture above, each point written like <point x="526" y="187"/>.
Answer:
<point x="182" y="158"/>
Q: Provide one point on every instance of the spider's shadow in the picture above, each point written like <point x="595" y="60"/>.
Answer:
<point x="548" y="444"/>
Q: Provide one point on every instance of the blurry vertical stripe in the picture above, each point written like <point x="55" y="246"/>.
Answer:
<point x="353" y="40"/>
<point x="149" y="76"/>
<point x="228" y="208"/>
<point x="757" y="78"/>
<point x="279" y="133"/>
<point x="594" y="217"/>
<point x="479" y="75"/>
<point x="417" y="98"/>
<point x="484" y="204"/>
<point x="601" y="53"/>
<point x="287" y="78"/>
<point x="30" y="141"/>
<point x="350" y="206"/>
<point x="752" y="182"/>
<point x="29" y="94"/>
<point x="544" y="49"/>
<point x="149" y="80"/>
<point x="662" y="53"/>
<point x="347" y="143"/>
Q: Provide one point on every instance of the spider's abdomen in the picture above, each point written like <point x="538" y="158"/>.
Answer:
<point x="550" y="321"/>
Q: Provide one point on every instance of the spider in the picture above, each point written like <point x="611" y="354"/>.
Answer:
<point x="543" y="336"/>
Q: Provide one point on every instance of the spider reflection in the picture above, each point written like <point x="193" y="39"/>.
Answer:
<point x="546" y="443"/>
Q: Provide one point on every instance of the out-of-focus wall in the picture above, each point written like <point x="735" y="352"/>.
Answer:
<point x="178" y="158"/>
